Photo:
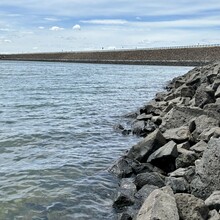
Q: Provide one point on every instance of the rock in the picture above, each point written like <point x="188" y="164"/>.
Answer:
<point x="154" y="108"/>
<point x="157" y="120"/>
<point x="186" y="158"/>
<point x="188" y="173"/>
<point x="124" y="216"/>
<point x="159" y="205"/>
<point x="164" y="157"/>
<point x="124" y="198"/>
<point x="160" y="96"/>
<point x="217" y="93"/>
<point x="216" y="84"/>
<point x="184" y="145"/>
<point x="213" y="215"/>
<point x="150" y="179"/>
<point x="190" y="207"/>
<point x="199" y="147"/>
<point x="147" y="146"/>
<point x="143" y="116"/>
<point x="213" y="201"/>
<point x="207" y="134"/>
<point x="128" y="184"/>
<point x="138" y="127"/>
<point x="207" y="178"/>
<point x="202" y="97"/>
<point x="179" y="135"/>
<point x="143" y="193"/>
<point x="122" y="167"/>
<point x="178" y="185"/>
<point x="179" y="116"/>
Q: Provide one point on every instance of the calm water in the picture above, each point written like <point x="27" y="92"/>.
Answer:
<point x="56" y="135"/>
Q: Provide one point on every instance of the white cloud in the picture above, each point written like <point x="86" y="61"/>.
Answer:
<point x="41" y="27"/>
<point x="56" y="28"/>
<point x="76" y="27"/>
<point x="52" y="19"/>
<point x="105" y="21"/>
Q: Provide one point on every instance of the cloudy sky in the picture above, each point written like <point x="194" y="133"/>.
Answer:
<point x="70" y="25"/>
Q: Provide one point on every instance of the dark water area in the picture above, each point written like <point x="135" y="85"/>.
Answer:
<point x="57" y="138"/>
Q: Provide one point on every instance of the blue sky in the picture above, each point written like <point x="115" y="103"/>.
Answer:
<point x="70" y="25"/>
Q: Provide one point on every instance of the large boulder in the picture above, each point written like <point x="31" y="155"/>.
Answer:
<point x="190" y="207"/>
<point x="164" y="157"/>
<point x="147" y="146"/>
<point x="207" y="177"/>
<point x="159" y="205"/>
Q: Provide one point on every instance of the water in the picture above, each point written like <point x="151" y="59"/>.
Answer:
<point x="57" y="137"/>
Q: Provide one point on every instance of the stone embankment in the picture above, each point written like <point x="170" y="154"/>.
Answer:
<point x="174" y="171"/>
<point x="188" y="56"/>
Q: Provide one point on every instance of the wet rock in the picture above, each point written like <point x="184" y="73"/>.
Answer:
<point x="207" y="178"/>
<point x="154" y="108"/>
<point x="213" y="201"/>
<point x="128" y="184"/>
<point x="178" y="185"/>
<point x="124" y="198"/>
<point x="122" y="167"/>
<point x="179" y="135"/>
<point x="213" y="215"/>
<point x="164" y="157"/>
<point x="159" y="205"/>
<point x="138" y="127"/>
<point x="149" y="179"/>
<point x="190" y="207"/>
<point x="147" y="146"/>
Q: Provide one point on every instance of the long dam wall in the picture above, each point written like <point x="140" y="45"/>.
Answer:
<point x="183" y="56"/>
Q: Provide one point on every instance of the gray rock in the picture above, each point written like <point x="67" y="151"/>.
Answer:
<point x="143" y="193"/>
<point x="124" y="216"/>
<point x="186" y="158"/>
<point x="157" y="120"/>
<point x="144" y="116"/>
<point x="199" y="147"/>
<point x="213" y="215"/>
<point x="202" y="97"/>
<point x="190" y="207"/>
<point x="207" y="177"/>
<point x="178" y="185"/>
<point x="124" y="198"/>
<point x="217" y="93"/>
<point x="147" y="146"/>
<point x="149" y="179"/>
<point x="128" y="184"/>
<point x="179" y="135"/>
<point x="159" y="205"/>
<point x="207" y="134"/>
<point x="188" y="173"/>
<point x="213" y="201"/>
<point x="138" y="127"/>
<point x="184" y="145"/>
<point x="122" y="167"/>
<point x="164" y="157"/>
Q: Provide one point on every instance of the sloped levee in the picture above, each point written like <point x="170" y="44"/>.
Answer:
<point x="174" y="171"/>
<point x="189" y="56"/>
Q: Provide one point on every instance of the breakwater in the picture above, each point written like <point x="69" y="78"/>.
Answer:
<point x="181" y="56"/>
<point x="174" y="171"/>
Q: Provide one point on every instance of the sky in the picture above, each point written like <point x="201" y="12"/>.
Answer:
<point x="79" y="25"/>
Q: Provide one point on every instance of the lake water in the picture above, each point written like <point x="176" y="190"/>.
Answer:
<point x="57" y="137"/>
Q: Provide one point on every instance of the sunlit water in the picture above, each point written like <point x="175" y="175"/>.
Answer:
<point x="57" y="137"/>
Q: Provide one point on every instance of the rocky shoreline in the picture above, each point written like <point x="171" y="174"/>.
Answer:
<point x="174" y="171"/>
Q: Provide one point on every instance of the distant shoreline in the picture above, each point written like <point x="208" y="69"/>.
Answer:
<point x="177" y="56"/>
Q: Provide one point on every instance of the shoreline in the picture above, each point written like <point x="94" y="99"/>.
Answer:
<point x="176" y="165"/>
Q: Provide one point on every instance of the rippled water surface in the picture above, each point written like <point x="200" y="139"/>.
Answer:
<point x="56" y="135"/>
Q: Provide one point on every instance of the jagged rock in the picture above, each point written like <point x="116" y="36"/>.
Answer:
<point x="185" y="91"/>
<point x="160" y="96"/>
<point x="184" y="145"/>
<point x="202" y="97"/>
<point x="207" y="177"/>
<point x="217" y="93"/>
<point x="207" y="134"/>
<point x="179" y="135"/>
<point x="154" y="108"/>
<point x="178" y="185"/>
<point x="124" y="216"/>
<point x="147" y="146"/>
<point x="128" y="184"/>
<point x="216" y="84"/>
<point x="143" y="193"/>
<point x="190" y="207"/>
<point x="186" y="158"/>
<point x="157" y="120"/>
<point x="124" y="198"/>
<point x="164" y="157"/>
<point x="213" y="201"/>
<point x="143" y="116"/>
<point x="213" y="215"/>
<point x="179" y="116"/>
<point x="138" y="127"/>
<point x="122" y="167"/>
<point x="188" y="173"/>
<point x="199" y="147"/>
<point x="150" y="179"/>
<point x="159" y="205"/>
